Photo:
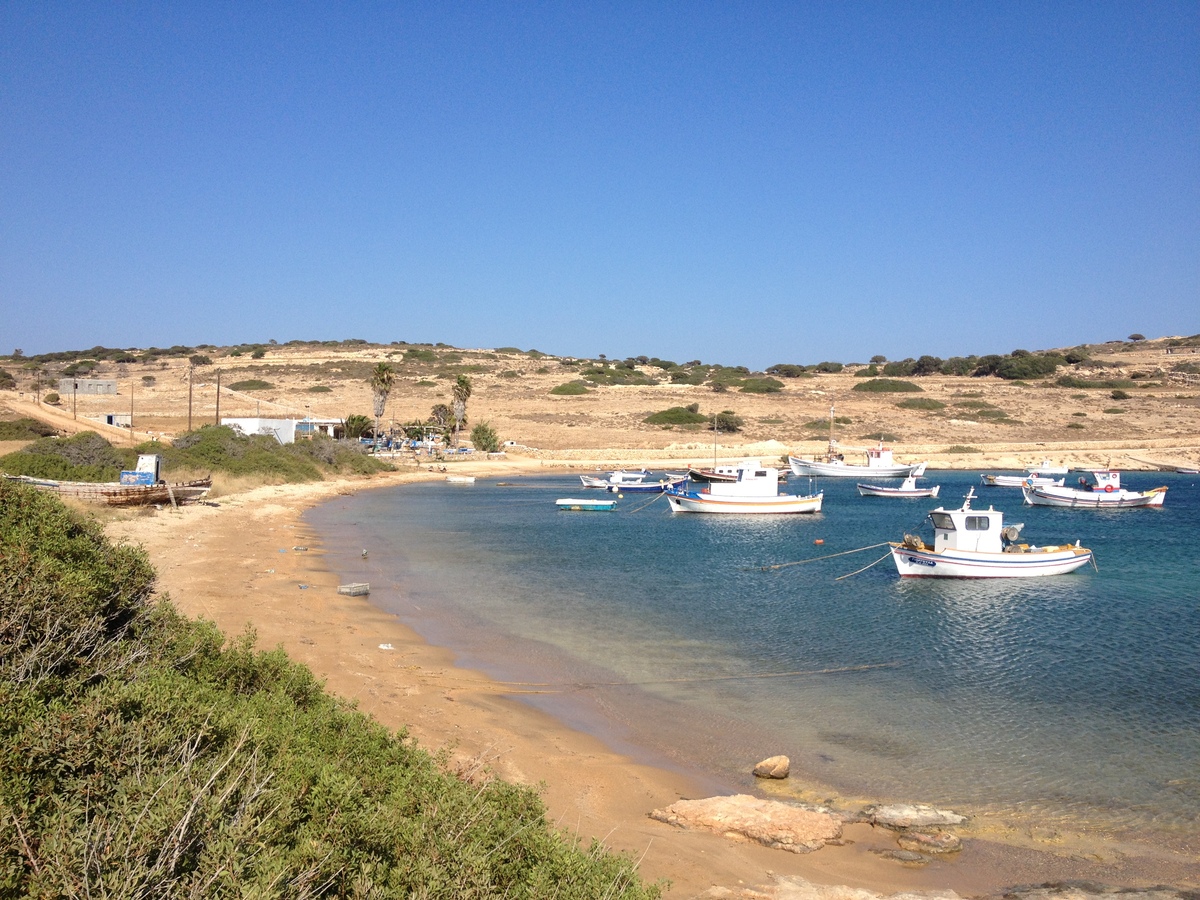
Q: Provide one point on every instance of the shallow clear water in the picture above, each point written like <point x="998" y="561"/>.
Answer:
<point x="1064" y="700"/>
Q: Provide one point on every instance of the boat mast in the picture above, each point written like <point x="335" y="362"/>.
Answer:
<point x="829" y="453"/>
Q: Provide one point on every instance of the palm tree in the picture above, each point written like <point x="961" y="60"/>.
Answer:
<point x="461" y="393"/>
<point x="382" y="379"/>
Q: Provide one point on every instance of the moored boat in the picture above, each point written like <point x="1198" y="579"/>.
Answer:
<point x="648" y="487"/>
<point x="570" y="504"/>
<point x="969" y="543"/>
<point x="1020" y="480"/>
<point x="908" y="488"/>
<point x="460" y="479"/>
<point x="756" y="491"/>
<point x="879" y="462"/>
<point x="620" y="477"/>
<point x="1103" y="493"/>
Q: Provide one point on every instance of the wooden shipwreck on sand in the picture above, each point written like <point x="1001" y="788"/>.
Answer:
<point x="140" y="487"/>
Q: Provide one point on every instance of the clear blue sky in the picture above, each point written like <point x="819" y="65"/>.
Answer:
<point x="745" y="183"/>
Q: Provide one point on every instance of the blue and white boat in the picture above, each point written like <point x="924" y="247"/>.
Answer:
<point x="648" y="487"/>
<point x="571" y="504"/>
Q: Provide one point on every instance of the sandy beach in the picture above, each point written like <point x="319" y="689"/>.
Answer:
<point x="238" y="564"/>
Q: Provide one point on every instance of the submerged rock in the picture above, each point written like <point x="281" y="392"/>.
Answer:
<point x="769" y="822"/>
<point x="930" y="842"/>
<point x="906" y="815"/>
<point x="773" y="767"/>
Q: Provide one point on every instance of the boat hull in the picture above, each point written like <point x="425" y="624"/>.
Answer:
<point x="574" y="505"/>
<point x="871" y="490"/>
<point x="1022" y="563"/>
<point x="652" y="487"/>
<point x="116" y="494"/>
<point x="1069" y="498"/>
<point x="693" y="502"/>
<point x="1019" y="481"/>
<point x="809" y="468"/>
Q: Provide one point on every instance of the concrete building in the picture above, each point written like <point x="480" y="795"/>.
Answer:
<point x="69" y="386"/>
<point x="286" y="431"/>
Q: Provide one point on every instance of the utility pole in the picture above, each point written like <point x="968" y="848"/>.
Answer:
<point x="131" y="438"/>
<point x="218" y="416"/>
<point x="74" y="399"/>
<point x="190" y="370"/>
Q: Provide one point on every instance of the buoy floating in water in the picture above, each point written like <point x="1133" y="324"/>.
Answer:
<point x="818" y="541"/>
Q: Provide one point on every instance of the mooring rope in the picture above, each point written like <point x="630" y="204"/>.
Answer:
<point x="705" y="678"/>
<point x="864" y="568"/>
<point x="801" y="562"/>
<point x="644" y="505"/>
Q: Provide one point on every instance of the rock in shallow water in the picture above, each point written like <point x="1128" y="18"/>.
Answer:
<point x="930" y="842"/>
<point x="773" y="767"/>
<point x="905" y="815"/>
<point x="769" y="822"/>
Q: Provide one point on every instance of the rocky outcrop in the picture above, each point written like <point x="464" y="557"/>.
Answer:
<point x="769" y="822"/>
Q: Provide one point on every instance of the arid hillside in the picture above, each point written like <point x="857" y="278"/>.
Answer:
<point x="1134" y="402"/>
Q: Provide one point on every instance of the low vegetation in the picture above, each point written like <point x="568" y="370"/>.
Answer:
<point x="570" y="389"/>
<point x="251" y="384"/>
<point x="484" y="437"/>
<point x="962" y="448"/>
<point x="927" y="403"/>
<point x="89" y="457"/>
<point x="888" y="386"/>
<point x="678" y="415"/>
<point x="24" y="430"/>
<point x="146" y="755"/>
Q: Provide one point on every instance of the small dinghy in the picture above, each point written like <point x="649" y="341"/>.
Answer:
<point x="908" y="488"/>
<point x="574" y="505"/>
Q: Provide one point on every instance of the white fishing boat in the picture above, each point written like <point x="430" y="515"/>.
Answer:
<point x="1103" y="493"/>
<point x="879" y="463"/>
<point x="755" y="491"/>
<point x="1017" y="481"/>
<point x="460" y="479"/>
<point x="908" y="488"/>
<point x="571" y="504"/>
<point x="969" y="543"/>
<point x="1047" y="468"/>
<point x="620" y="477"/>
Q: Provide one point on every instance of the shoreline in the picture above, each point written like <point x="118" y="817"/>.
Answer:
<point x="240" y="563"/>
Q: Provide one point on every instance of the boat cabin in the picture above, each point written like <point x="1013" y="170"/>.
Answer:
<point x="879" y="456"/>
<point x="753" y="480"/>
<point x="976" y="530"/>
<point x="1107" y="480"/>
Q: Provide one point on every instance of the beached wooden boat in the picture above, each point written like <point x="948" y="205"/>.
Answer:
<point x="908" y="488"/>
<point x="1104" y="493"/>
<point x="755" y="492"/>
<point x="571" y="504"/>
<point x="975" y="543"/>
<point x="117" y="494"/>
<point x="460" y="479"/>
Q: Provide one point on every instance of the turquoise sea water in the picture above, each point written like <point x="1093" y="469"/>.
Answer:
<point x="1066" y="702"/>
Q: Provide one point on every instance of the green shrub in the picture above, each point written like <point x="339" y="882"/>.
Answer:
<point x="787" y="370"/>
<point x="424" y="382"/>
<point x="1070" y="381"/>
<point x="728" y="421"/>
<point x="251" y="384"/>
<point x="761" y="386"/>
<point x="676" y="415"/>
<point x="1119" y="395"/>
<point x="320" y="389"/>
<point x="962" y="448"/>
<point x="869" y="372"/>
<point x="25" y="429"/>
<point x="7" y="382"/>
<point x="1029" y="366"/>
<point x="485" y="438"/>
<point x="570" y="389"/>
<point x="218" y="448"/>
<point x="1114" y="411"/>
<point x="1080" y="414"/>
<point x="879" y="436"/>
<point x="921" y="403"/>
<point x="888" y="386"/>
<point x="1075" y="425"/>
<point x="52" y="398"/>
<point x="82" y="457"/>
<point x="193" y="766"/>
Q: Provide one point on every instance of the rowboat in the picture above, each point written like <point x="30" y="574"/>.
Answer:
<point x="1104" y="493"/>
<point x="969" y="543"/>
<point x="113" y="493"/>
<point x="620" y="477"/>
<point x="755" y="492"/>
<point x="460" y="479"/>
<point x="647" y="487"/>
<point x="908" y="488"/>
<point x="1020" y="480"/>
<point x="574" y="505"/>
